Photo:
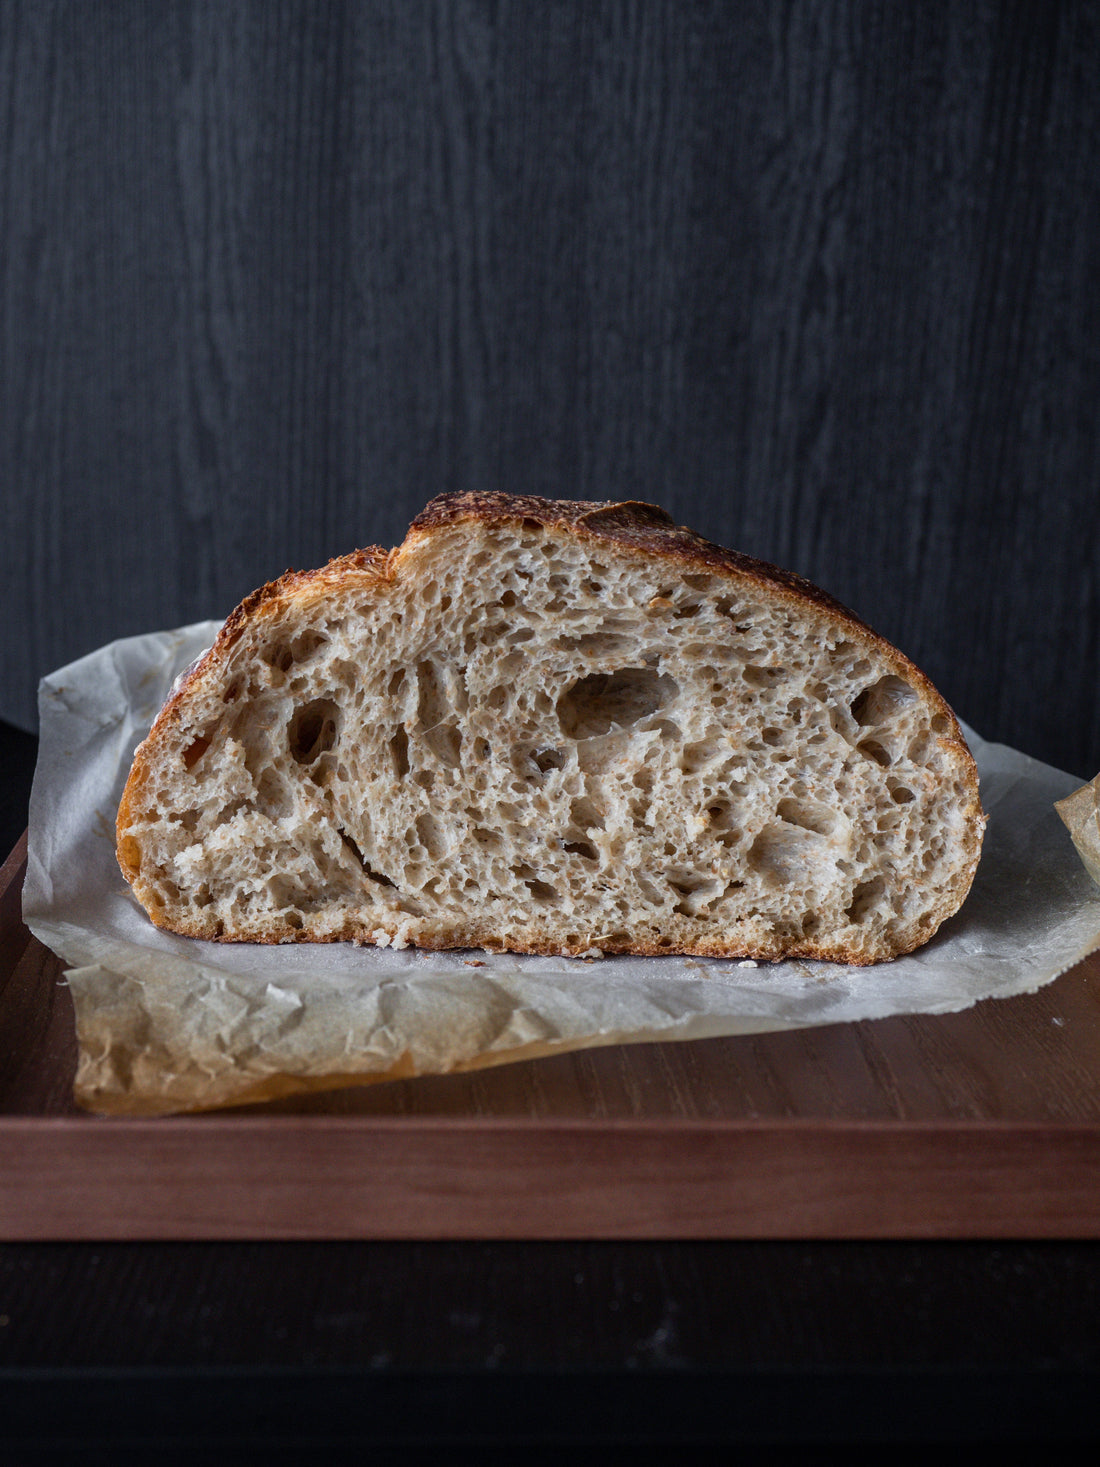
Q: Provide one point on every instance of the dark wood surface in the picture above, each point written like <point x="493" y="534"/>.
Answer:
<point x="821" y="278"/>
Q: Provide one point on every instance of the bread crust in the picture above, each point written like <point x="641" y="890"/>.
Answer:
<point x="632" y="526"/>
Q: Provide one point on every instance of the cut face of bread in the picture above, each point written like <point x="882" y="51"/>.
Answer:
<point x="545" y="726"/>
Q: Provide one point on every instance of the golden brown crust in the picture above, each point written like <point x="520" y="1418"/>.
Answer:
<point x="371" y="560"/>
<point x="630" y="524"/>
<point x="370" y="563"/>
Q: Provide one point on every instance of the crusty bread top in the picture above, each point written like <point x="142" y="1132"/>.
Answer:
<point x="629" y="523"/>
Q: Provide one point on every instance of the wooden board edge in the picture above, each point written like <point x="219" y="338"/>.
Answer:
<point x="537" y="1181"/>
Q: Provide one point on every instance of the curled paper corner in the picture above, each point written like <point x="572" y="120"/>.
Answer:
<point x="1080" y="813"/>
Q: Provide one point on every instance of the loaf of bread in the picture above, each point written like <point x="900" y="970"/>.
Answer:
<point x="542" y="726"/>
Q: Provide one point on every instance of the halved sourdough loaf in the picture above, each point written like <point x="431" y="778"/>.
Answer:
<point x="553" y="727"/>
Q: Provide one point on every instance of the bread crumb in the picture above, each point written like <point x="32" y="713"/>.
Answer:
<point x="748" y="963"/>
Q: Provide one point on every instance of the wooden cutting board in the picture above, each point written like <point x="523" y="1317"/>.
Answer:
<point x="981" y="1124"/>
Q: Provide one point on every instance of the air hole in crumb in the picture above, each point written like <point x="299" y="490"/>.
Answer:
<point x="866" y="894"/>
<point x="696" y="893"/>
<point x="808" y="814"/>
<point x="272" y="795"/>
<point x="761" y="677"/>
<point x="902" y="794"/>
<point x="445" y="742"/>
<point x="433" y="708"/>
<point x="780" y="852"/>
<point x="882" y="701"/>
<point x="698" y="756"/>
<point x="542" y="891"/>
<point x="547" y="759"/>
<point x="874" y="750"/>
<point x="597" y="703"/>
<point x="351" y="845"/>
<point x="312" y="730"/>
<point x="586" y="815"/>
<point x="195" y="751"/>
<point x="305" y="644"/>
<point x="583" y="848"/>
<point x="283" y="655"/>
<point x="399" y="748"/>
<point x="728" y="607"/>
<point x="686" y="884"/>
<point x="597" y="644"/>
<point x="431" y="836"/>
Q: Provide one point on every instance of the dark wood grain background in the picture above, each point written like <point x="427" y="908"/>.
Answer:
<point x="821" y="278"/>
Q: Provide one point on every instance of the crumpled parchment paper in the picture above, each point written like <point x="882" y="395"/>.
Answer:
<point x="167" y="1024"/>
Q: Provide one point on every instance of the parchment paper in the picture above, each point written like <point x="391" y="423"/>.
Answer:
<point x="1081" y="813"/>
<point x="169" y="1024"/>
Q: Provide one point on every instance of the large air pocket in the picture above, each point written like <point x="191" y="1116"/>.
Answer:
<point x="605" y="700"/>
